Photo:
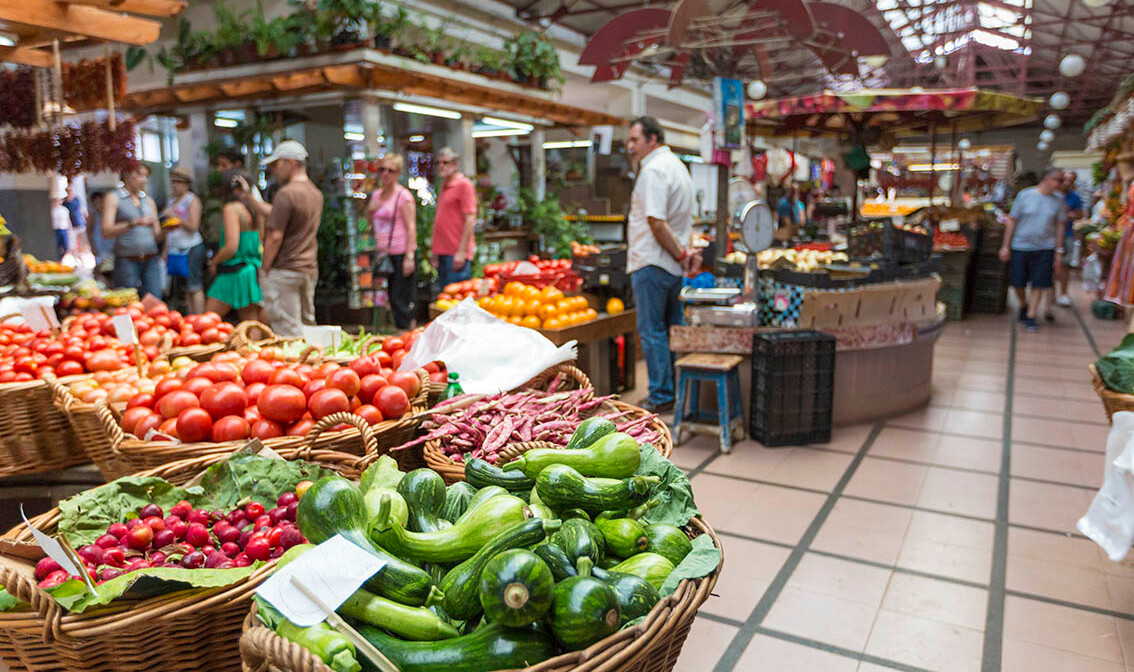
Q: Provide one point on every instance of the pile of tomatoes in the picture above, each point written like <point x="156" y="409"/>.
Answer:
<point x="231" y="397"/>
<point x="87" y="345"/>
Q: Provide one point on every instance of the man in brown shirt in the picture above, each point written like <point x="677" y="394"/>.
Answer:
<point x="290" y="267"/>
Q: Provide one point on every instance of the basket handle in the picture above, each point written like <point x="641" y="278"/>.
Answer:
<point x="369" y="440"/>
<point x="364" y="346"/>
<point x="309" y="352"/>
<point x="261" y="650"/>
<point x="239" y="335"/>
<point x="24" y="589"/>
<point x="514" y="450"/>
<point x="110" y="425"/>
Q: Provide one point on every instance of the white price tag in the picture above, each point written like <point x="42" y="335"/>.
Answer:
<point x="124" y="329"/>
<point x="949" y="225"/>
<point x="54" y="550"/>
<point x="333" y="570"/>
<point x="39" y="313"/>
<point x="323" y="336"/>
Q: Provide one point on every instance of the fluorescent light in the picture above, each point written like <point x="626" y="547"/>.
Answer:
<point x="925" y="167"/>
<point x="225" y="123"/>
<point x="417" y="138"/>
<point x="691" y="158"/>
<point x="357" y="137"/>
<point x="499" y="133"/>
<point x="495" y="121"/>
<point x="566" y="144"/>
<point x="7" y="41"/>
<point x="430" y="111"/>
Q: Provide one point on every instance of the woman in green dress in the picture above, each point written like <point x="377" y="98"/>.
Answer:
<point x="237" y="263"/>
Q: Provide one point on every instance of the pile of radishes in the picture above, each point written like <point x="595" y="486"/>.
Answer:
<point x="187" y="537"/>
<point x="232" y="398"/>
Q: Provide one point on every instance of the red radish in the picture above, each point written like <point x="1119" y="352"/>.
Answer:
<point x="215" y="559"/>
<point x="193" y="560"/>
<point x="151" y="511"/>
<point x="242" y="560"/>
<point x="93" y="553"/>
<point x="197" y="535"/>
<point x="140" y="537"/>
<point x="109" y="573"/>
<point x="156" y="558"/>
<point x="54" y="579"/>
<point x="230" y="549"/>
<point x="45" y="567"/>
<point x="107" y="541"/>
<point x="291" y="536"/>
<point x="119" y="530"/>
<point x="286" y="498"/>
<point x="258" y="549"/>
<point x="199" y="516"/>
<point x="254" y="510"/>
<point x="115" y="557"/>
<point x="156" y="524"/>
<point x="164" y="538"/>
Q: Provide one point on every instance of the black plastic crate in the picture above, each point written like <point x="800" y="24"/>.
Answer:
<point x="884" y="240"/>
<point x="793" y="387"/>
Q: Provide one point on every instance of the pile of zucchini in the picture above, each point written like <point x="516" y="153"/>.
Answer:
<point x="515" y="565"/>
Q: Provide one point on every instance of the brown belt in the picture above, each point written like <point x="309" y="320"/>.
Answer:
<point x="142" y="258"/>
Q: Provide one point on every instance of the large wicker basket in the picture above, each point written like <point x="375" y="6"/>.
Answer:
<point x="117" y="454"/>
<point x="35" y="436"/>
<point x="196" y="629"/>
<point x="1112" y="401"/>
<point x="651" y="646"/>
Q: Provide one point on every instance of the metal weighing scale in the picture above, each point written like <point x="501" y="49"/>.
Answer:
<point x="731" y="307"/>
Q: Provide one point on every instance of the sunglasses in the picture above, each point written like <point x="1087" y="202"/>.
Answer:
<point x="445" y="161"/>
<point x="386" y="170"/>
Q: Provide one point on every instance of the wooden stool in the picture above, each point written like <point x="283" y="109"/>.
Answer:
<point x="719" y="369"/>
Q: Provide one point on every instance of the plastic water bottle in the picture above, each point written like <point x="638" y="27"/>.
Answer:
<point x="453" y="389"/>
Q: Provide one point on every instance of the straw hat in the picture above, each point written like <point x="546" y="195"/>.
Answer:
<point x="180" y="175"/>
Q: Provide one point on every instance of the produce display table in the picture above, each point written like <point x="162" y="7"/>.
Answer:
<point x="597" y="352"/>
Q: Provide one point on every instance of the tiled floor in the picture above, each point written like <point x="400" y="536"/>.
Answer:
<point x="902" y="546"/>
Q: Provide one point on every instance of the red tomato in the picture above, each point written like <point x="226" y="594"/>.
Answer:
<point x="432" y="367"/>
<point x="282" y="403"/>
<point x="167" y="427"/>
<point x="69" y="368"/>
<point x="397" y="360"/>
<point x="104" y="360"/>
<point x="252" y="393"/>
<point x="132" y="416"/>
<point x="392" y="401"/>
<point x="439" y="377"/>
<point x="176" y="402"/>
<point x="257" y="371"/>
<point x="141" y="400"/>
<point x="300" y="428"/>
<point x="197" y="385"/>
<point x="202" y="322"/>
<point x="328" y="401"/>
<point x="146" y="423"/>
<point x="369" y="413"/>
<point x="325" y="369"/>
<point x="252" y="415"/>
<point x="393" y="344"/>
<point x="223" y="399"/>
<point x="369" y="386"/>
<point x="209" y="336"/>
<point x="383" y="359"/>
<point x="266" y="429"/>
<point x="187" y="339"/>
<point x="363" y="366"/>
<point x="231" y="428"/>
<point x="346" y="380"/>
<point x="408" y="381"/>
<point x="286" y="376"/>
<point x="194" y="424"/>
<point x="166" y="386"/>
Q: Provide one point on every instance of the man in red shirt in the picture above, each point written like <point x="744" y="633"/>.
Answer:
<point x="454" y="223"/>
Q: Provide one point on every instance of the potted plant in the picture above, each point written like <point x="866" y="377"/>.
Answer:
<point x="348" y="17"/>
<point x="459" y="59"/>
<point x="534" y="60"/>
<point x="489" y="61"/>
<point x="381" y="29"/>
<point x="435" y="42"/>
<point x="271" y="36"/>
<point x="400" y="27"/>
<point x="231" y="34"/>
<point x="546" y="68"/>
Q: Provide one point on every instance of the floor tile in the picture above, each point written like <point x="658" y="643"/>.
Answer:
<point x="864" y="530"/>
<point x="843" y="579"/>
<point x="871" y="667"/>
<point x="928" y="417"/>
<point x="950" y="603"/>
<point x="1062" y="582"/>
<point x="887" y="481"/>
<point x="771" y="653"/>
<point x="1057" y="548"/>
<point x="694" y="450"/>
<point x="1057" y="408"/>
<point x="738" y="591"/>
<point x="718" y="498"/>
<point x="1050" y="507"/>
<point x="1073" y="630"/>
<point x="774" y="513"/>
<point x="846" y="439"/>
<point x="749" y="460"/>
<point x="1121" y="590"/>
<point x="816" y="469"/>
<point x="926" y="643"/>
<point x="978" y="400"/>
<point x="951" y="530"/>
<point x="959" y="492"/>
<point x="984" y="424"/>
<point x="908" y="444"/>
<point x="1059" y="466"/>
<point x="1021" y="656"/>
<point x="969" y="453"/>
<point x="948" y="560"/>
<point x="822" y="618"/>
<point x="704" y="646"/>
<point x="1062" y="433"/>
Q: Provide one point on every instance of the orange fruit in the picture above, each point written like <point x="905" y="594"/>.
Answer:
<point x="581" y="303"/>
<point x="553" y="323"/>
<point x="531" y="293"/>
<point x="512" y="289"/>
<point x="531" y="322"/>
<point x="614" y="305"/>
<point x="590" y="314"/>
<point x="548" y="311"/>
<point x="515" y="320"/>
<point x="564" y="305"/>
<point x="551" y="293"/>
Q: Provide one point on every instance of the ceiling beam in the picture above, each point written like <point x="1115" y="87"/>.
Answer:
<point x="161" y="8"/>
<point x="80" y="19"/>
<point x="25" y="56"/>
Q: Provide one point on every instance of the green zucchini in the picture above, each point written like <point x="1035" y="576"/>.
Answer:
<point x="607" y="562"/>
<point x="492" y="647"/>
<point x="323" y="641"/>
<point x="668" y="541"/>
<point x="624" y="536"/>
<point x="583" y="609"/>
<point x="568" y="514"/>
<point x="481" y="496"/>
<point x="458" y="496"/>
<point x="333" y="505"/>
<point x="541" y="510"/>
<point x="579" y="538"/>
<point x="636" y="596"/>
<point x="373" y="497"/>
<point x="612" y="456"/>
<point x="557" y="561"/>
<point x="515" y="588"/>
<point x="589" y="431"/>
<point x="424" y="492"/>
<point x="383" y="473"/>
<point x="562" y="487"/>
<point x="481" y="473"/>
<point x="461" y="582"/>
<point x="417" y="623"/>
<point x="649" y="566"/>
<point x="455" y="543"/>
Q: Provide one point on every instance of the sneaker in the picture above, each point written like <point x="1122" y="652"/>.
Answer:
<point x="664" y="407"/>
<point x="1049" y="316"/>
<point x="1063" y="301"/>
<point x="1023" y="314"/>
<point x="1030" y="324"/>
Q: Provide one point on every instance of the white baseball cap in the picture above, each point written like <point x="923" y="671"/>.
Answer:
<point x="288" y="149"/>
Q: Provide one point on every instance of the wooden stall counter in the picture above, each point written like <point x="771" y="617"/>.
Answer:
<point x="610" y="368"/>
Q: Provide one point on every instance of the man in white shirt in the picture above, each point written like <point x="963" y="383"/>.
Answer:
<point x="61" y="223"/>
<point x="659" y="250"/>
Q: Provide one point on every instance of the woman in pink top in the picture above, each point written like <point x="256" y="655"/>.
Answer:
<point x="393" y="213"/>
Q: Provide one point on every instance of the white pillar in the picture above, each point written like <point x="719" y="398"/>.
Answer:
<point x="192" y="144"/>
<point x="638" y="101"/>
<point x="539" y="164"/>
<point x="467" y="147"/>
<point x="371" y="113"/>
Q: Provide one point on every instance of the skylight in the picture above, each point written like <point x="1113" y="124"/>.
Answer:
<point x="930" y="28"/>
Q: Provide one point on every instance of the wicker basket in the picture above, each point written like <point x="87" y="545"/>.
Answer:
<point x="451" y="471"/>
<point x="202" y="353"/>
<point x="196" y="629"/>
<point x="1112" y="401"/>
<point x="119" y="454"/>
<point x="35" y="436"/>
<point x="651" y="646"/>
<point x="239" y="337"/>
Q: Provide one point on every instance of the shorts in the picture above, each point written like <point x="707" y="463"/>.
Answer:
<point x="196" y="280"/>
<point x="1032" y="267"/>
<point x="62" y="241"/>
<point x="1070" y="250"/>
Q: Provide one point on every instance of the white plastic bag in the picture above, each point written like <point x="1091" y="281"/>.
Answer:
<point x="1110" y="519"/>
<point x="489" y="354"/>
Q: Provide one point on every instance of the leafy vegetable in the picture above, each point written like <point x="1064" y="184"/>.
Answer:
<point x="1116" y="368"/>
<point x="8" y="601"/>
<point x="384" y="473"/>
<point x="674" y="495"/>
<point x="701" y="561"/>
<point x="74" y="596"/>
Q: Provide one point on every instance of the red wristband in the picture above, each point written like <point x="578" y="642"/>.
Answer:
<point x="684" y="254"/>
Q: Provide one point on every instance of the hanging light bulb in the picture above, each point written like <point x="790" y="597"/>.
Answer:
<point x="1072" y="65"/>
<point x="940" y="62"/>
<point x="1042" y="146"/>
<point x="1059" y="100"/>
<point x="1095" y="4"/>
<point x="1052" y="121"/>
<point x="1047" y="135"/>
<point x="964" y="143"/>
<point x="757" y="89"/>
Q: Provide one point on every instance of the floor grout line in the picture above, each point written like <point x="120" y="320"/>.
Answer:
<point x="1071" y="605"/>
<point x="837" y="650"/>
<point x="740" y="641"/>
<point x="1086" y="330"/>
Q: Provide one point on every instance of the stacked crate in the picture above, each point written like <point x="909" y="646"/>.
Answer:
<point x="989" y="290"/>
<point x="954" y="282"/>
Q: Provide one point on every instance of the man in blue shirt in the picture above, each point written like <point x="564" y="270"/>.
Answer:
<point x="1074" y="213"/>
<point x="1033" y="243"/>
<point x="787" y="215"/>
